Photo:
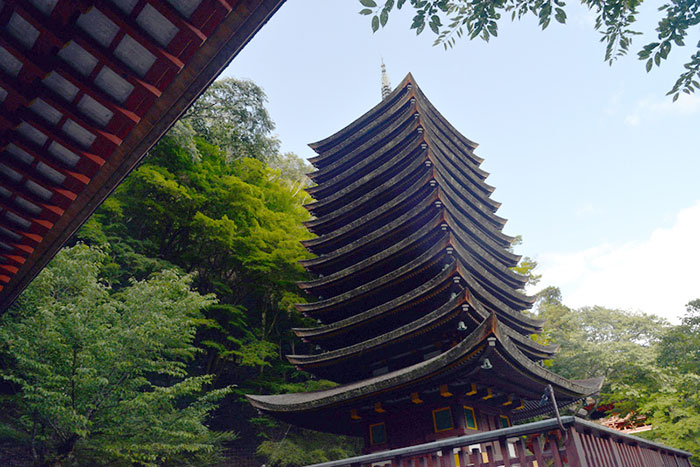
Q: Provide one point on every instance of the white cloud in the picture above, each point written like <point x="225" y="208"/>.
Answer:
<point x="658" y="275"/>
<point x="585" y="209"/>
<point x="651" y="108"/>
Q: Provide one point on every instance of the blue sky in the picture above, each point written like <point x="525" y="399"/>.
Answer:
<point x="595" y="167"/>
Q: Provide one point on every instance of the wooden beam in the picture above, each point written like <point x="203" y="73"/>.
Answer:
<point x="75" y="182"/>
<point x="29" y="93"/>
<point x="128" y="25"/>
<point x="182" y="24"/>
<point x="59" y="35"/>
<point x="40" y="67"/>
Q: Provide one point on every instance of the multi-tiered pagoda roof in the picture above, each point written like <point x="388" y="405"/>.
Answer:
<point x="417" y="303"/>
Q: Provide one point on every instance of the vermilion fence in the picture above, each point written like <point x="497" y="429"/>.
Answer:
<point x="548" y="443"/>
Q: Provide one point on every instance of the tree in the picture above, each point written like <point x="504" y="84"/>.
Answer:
<point x="672" y="404"/>
<point x="650" y="368"/>
<point x="231" y="114"/>
<point x="526" y="266"/>
<point x="99" y="376"/>
<point x="615" y="19"/>
<point x="680" y="346"/>
<point x="598" y="341"/>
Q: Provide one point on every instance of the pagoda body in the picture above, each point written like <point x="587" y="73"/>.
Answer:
<point x="420" y="315"/>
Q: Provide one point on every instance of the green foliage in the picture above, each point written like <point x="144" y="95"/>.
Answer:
<point x="597" y="341"/>
<point x="303" y="447"/>
<point x="526" y="266"/>
<point x="230" y="114"/>
<point x="651" y="368"/>
<point x="614" y="19"/>
<point x="214" y="198"/>
<point x="674" y="412"/>
<point x="100" y="374"/>
<point x="673" y="407"/>
<point x="680" y="346"/>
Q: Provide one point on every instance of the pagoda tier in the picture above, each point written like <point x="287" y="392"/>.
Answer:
<point x="411" y="343"/>
<point x="486" y="372"/>
<point x="415" y="297"/>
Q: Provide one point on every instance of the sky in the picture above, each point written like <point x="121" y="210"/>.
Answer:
<point x="594" y="166"/>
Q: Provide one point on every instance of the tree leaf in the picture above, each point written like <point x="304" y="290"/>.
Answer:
<point x="384" y="17"/>
<point x="368" y="3"/>
<point x="560" y="16"/>
<point x="375" y="23"/>
<point x="366" y="11"/>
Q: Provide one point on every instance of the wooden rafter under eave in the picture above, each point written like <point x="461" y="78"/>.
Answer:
<point x="220" y="47"/>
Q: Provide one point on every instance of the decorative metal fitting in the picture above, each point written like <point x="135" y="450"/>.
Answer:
<point x="438" y="204"/>
<point x="433" y="183"/>
<point x="449" y="250"/>
<point x="428" y="163"/>
<point x="416" y="115"/>
<point x="413" y="100"/>
<point x="465" y="307"/>
<point x="456" y="279"/>
<point x="443" y="226"/>
<point x="423" y="146"/>
<point x="420" y="130"/>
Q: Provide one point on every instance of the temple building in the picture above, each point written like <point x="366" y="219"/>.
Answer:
<point x="422" y="321"/>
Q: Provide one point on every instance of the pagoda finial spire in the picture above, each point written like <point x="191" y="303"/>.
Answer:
<point x="386" y="86"/>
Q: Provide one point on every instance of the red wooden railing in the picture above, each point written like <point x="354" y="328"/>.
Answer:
<point x="569" y="442"/>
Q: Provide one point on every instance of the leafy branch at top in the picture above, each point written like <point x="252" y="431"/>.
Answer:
<point x="453" y="19"/>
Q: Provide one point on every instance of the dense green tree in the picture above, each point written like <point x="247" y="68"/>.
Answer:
<point x="99" y="376"/>
<point x="673" y="407"/>
<point x="232" y="215"/>
<point x="680" y="346"/>
<point x="614" y="19"/>
<point x="598" y="341"/>
<point x="231" y="114"/>
<point x="651" y="367"/>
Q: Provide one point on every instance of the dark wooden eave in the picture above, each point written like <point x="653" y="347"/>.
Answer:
<point x="334" y="364"/>
<point x="323" y="146"/>
<point x="366" y="152"/>
<point x="399" y="304"/>
<point x="526" y="379"/>
<point x="404" y="273"/>
<point x="483" y="300"/>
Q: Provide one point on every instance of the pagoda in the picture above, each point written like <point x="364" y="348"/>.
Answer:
<point x="421" y="320"/>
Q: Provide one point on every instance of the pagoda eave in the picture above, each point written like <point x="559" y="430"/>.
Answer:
<point x="375" y="260"/>
<point x="320" y="409"/>
<point x="326" y="143"/>
<point x="428" y="258"/>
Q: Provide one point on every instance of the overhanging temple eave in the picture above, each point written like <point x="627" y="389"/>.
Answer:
<point x="89" y="87"/>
